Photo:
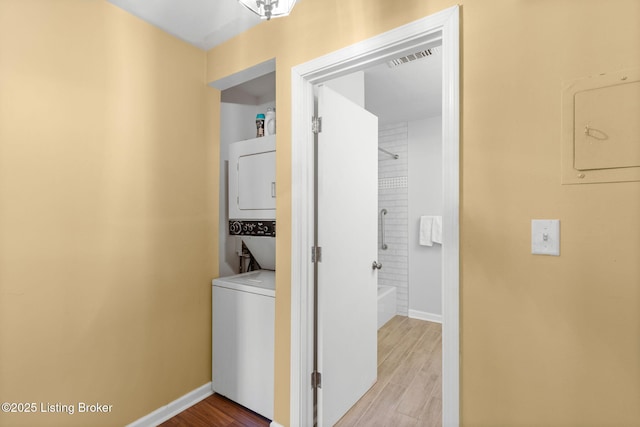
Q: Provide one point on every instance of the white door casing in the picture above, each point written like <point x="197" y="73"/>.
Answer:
<point x="347" y="282"/>
<point x="439" y="28"/>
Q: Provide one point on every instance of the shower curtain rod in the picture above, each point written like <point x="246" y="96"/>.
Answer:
<point x="395" y="156"/>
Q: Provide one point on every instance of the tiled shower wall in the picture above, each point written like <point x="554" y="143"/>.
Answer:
<point x="393" y="196"/>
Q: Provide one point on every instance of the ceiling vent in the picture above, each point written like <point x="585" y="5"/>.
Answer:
<point x="413" y="56"/>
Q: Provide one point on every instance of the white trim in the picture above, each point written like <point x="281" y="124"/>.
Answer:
<point x="444" y="27"/>
<point x="275" y="424"/>
<point x="162" y="414"/>
<point x="451" y="221"/>
<point x="301" y="400"/>
<point x="423" y="315"/>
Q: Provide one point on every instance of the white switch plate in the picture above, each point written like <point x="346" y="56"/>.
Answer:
<point x="545" y="237"/>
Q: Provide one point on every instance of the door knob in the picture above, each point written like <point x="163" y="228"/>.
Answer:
<point x="376" y="265"/>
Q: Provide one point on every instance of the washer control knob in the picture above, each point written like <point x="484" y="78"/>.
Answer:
<point x="235" y="227"/>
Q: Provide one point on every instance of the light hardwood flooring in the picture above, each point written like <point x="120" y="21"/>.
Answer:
<point x="408" y="392"/>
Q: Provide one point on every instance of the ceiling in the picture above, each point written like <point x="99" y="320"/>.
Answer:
<point x="202" y="23"/>
<point x="405" y="92"/>
<point x="402" y="93"/>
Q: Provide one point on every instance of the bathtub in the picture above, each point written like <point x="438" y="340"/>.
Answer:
<point x="386" y="304"/>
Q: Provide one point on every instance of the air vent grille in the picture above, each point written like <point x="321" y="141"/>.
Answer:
<point x="413" y="56"/>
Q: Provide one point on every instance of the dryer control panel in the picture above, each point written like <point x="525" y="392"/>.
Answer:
<point x="252" y="228"/>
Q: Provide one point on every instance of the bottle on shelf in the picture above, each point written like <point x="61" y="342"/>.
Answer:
<point x="259" y="125"/>
<point x="270" y="122"/>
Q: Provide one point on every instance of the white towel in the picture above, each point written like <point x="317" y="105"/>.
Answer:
<point x="436" y="230"/>
<point x="430" y="230"/>
<point x="426" y="230"/>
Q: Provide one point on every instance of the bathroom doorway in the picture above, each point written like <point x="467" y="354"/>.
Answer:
<point x="404" y="95"/>
<point x="439" y="29"/>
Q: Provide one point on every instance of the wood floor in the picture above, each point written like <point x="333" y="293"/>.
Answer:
<point x="217" y="411"/>
<point x="408" y="392"/>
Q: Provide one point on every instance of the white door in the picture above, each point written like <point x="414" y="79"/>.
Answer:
<point x="347" y="234"/>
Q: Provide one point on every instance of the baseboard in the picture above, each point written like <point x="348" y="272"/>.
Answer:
<point x="423" y="315"/>
<point x="275" y="424"/>
<point x="161" y="415"/>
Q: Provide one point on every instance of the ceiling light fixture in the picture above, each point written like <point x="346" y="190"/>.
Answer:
<point x="267" y="9"/>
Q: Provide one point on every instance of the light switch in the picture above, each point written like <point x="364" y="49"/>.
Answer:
<point x="545" y="237"/>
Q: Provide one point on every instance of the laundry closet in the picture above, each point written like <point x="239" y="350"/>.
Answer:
<point x="243" y="297"/>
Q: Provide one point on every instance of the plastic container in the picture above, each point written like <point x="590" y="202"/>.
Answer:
<point x="259" y="125"/>
<point x="270" y="122"/>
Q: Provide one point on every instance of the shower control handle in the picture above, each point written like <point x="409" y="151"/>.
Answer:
<point x="376" y="265"/>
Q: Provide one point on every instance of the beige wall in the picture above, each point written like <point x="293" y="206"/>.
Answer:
<point x="108" y="204"/>
<point x="545" y="341"/>
<point x="108" y="186"/>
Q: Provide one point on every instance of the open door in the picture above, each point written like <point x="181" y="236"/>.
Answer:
<point x="347" y="274"/>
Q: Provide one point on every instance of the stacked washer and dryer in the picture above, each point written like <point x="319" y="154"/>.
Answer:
<point x="244" y="305"/>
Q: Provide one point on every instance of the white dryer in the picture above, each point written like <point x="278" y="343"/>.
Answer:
<point x="243" y="339"/>
<point x="252" y="179"/>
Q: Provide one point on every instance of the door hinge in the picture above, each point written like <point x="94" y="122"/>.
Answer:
<point x="316" y="379"/>
<point x="316" y="254"/>
<point x="316" y="125"/>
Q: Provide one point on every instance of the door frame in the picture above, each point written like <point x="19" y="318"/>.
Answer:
<point x="439" y="28"/>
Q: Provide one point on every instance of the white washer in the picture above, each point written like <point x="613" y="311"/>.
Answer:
<point x="243" y="339"/>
